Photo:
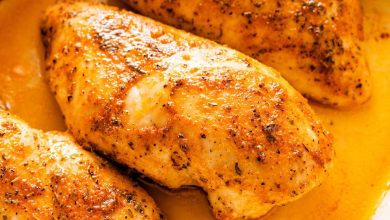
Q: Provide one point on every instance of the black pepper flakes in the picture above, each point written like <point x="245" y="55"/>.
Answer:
<point x="131" y="145"/>
<point x="261" y="157"/>
<point x="237" y="169"/>
<point x="184" y="147"/>
<point x="269" y="132"/>
<point x="129" y="198"/>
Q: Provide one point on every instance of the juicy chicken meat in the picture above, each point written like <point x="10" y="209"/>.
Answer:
<point x="45" y="175"/>
<point x="183" y="110"/>
<point x="315" y="44"/>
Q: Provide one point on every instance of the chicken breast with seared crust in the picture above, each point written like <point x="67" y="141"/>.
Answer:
<point x="45" y="175"/>
<point x="183" y="110"/>
<point x="317" y="45"/>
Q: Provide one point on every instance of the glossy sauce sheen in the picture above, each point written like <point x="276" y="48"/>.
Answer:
<point x="361" y="170"/>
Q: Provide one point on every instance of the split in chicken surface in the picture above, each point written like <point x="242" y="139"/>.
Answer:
<point x="317" y="45"/>
<point x="183" y="110"/>
<point x="45" y="175"/>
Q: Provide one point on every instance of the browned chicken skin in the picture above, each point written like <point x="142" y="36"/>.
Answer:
<point x="315" y="44"/>
<point x="183" y="110"/>
<point x="45" y="175"/>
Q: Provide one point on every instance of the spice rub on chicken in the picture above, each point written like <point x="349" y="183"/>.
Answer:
<point x="317" y="45"/>
<point x="45" y="175"/>
<point x="183" y="110"/>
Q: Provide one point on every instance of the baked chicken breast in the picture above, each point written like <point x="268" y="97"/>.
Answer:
<point x="315" y="44"/>
<point x="45" y="175"/>
<point x="183" y="110"/>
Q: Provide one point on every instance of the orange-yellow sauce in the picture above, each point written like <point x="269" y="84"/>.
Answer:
<point x="355" y="186"/>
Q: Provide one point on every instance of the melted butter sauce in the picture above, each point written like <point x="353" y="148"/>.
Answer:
<point x="355" y="186"/>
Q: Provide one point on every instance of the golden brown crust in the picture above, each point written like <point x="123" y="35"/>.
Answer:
<point x="47" y="176"/>
<point x="183" y="110"/>
<point x="315" y="44"/>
